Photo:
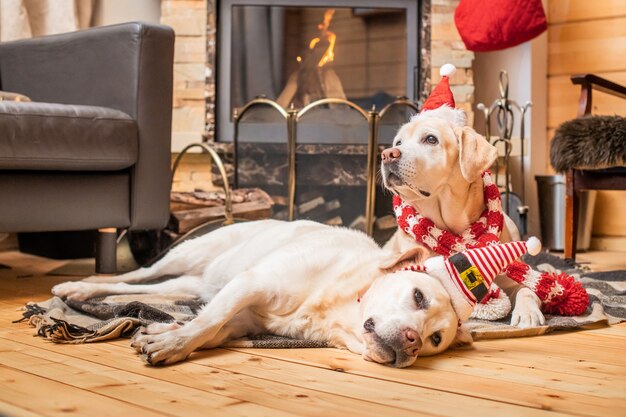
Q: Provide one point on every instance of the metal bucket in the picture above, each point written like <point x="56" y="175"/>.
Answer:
<point x="551" y="191"/>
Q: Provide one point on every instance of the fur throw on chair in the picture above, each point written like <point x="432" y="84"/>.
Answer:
<point x="589" y="142"/>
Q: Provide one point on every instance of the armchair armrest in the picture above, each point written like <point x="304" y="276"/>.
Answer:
<point x="590" y="82"/>
<point x="128" y="67"/>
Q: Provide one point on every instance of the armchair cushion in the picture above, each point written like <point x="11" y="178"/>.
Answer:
<point x="45" y="136"/>
<point x="589" y="142"/>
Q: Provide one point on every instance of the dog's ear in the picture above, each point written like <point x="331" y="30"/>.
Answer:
<point x="476" y="155"/>
<point x="415" y="255"/>
<point x="463" y="338"/>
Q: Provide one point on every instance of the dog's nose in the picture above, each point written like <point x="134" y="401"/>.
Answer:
<point x="413" y="342"/>
<point x="390" y="155"/>
<point x="369" y="325"/>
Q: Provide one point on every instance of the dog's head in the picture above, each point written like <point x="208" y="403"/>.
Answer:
<point x="408" y="314"/>
<point x="433" y="150"/>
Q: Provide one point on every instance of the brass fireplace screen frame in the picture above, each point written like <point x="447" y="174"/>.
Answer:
<point x="292" y="117"/>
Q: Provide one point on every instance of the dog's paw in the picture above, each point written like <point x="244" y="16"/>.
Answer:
<point x="163" y="348"/>
<point x="527" y="312"/>
<point x="78" y="291"/>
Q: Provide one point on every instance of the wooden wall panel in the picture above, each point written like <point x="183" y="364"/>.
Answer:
<point x="560" y="11"/>
<point x="563" y="96"/>
<point x="587" y="46"/>
<point x="609" y="218"/>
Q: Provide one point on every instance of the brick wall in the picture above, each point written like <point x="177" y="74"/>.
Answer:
<point x="447" y="47"/>
<point x="189" y="20"/>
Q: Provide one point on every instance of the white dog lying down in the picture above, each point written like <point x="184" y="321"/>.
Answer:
<point x="299" y="279"/>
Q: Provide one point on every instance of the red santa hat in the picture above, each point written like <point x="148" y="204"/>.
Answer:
<point x="440" y="103"/>
<point x="441" y="94"/>
<point x="467" y="276"/>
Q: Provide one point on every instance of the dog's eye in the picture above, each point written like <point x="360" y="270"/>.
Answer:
<point x="431" y="140"/>
<point x="369" y="325"/>
<point x="398" y="143"/>
<point x="419" y="297"/>
<point x="435" y="338"/>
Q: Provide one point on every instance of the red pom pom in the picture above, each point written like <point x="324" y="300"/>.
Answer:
<point x="572" y="300"/>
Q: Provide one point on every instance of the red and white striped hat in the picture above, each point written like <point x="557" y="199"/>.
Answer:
<point x="441" y="94"/>
<point x="468" y="275"/>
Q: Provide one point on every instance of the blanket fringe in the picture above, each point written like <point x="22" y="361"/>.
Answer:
<point x="30" y="310"/>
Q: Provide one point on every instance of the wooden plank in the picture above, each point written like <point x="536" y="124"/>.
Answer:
<point x="529" y="374"/>
<point x="592" y="339"/>
<point x="151" y="394"/>
<point x="212" y="359"/>
<point x="398" y="394"/>
<point x="51" y="398"/>
<point x="563" y="98"/>
<point x="16" y="411"/>
<point x="577" y="350"/>
<point x="609" y="217"/>
<point x="618" y="330"/>
<point x="591" y="46"/>
<point x="276" y="395"/>
<point x="561" y="11"/>
<point x="608" y="243"/>
<point x="549" y="362"/>
<point x="507" y="387"/>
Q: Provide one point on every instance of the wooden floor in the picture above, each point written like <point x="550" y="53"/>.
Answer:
<point x="577" y="373"/>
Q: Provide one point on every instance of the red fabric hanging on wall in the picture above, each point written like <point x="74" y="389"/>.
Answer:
<point x="490" y="25"/>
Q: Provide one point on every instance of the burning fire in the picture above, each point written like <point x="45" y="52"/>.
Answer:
<point x="329" y="55"/>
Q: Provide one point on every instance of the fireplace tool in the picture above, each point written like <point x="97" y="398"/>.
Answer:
<point x="504" y="110"/>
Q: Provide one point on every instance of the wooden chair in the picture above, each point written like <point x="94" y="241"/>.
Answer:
<point x="579" y="179"/>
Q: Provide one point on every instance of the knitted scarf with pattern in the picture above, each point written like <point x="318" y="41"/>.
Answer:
<point x="559" y="293"/>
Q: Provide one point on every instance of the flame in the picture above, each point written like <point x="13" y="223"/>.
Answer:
<point x="329" y="55"/>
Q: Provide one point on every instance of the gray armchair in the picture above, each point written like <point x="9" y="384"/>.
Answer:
<point x="92" y="149"/>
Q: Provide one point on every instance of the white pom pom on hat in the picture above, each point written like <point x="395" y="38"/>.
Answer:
<point x="533" y="246"/>
<point x="441" y="94"/>
<point x="447" y="70"/>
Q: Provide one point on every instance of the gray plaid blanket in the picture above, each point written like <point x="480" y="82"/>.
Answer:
<point x="105" y="318"/>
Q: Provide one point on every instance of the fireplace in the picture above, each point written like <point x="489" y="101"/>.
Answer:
<point x="298" y="51"/>
<point x="367" y="61"/>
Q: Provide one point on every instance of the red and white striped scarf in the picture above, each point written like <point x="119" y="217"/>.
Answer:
<point x="485" y="231"/>
<point x="560" y="294"/>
